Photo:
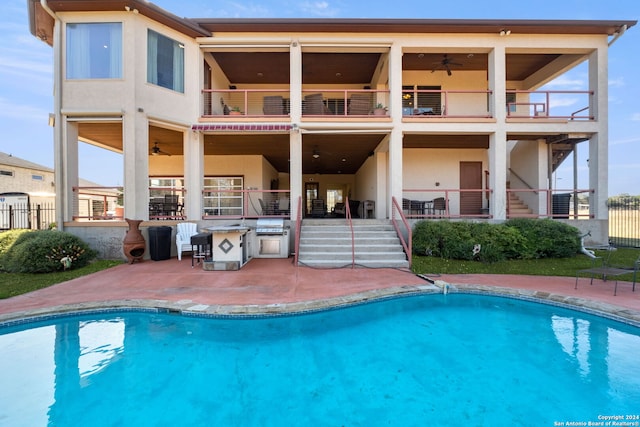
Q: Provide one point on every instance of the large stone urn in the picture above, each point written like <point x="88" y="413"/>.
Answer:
<point x="133" y="244"/>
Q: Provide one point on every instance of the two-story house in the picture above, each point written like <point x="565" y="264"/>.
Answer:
<point x="246" y="118"/>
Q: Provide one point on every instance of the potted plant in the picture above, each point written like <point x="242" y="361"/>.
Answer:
<point x="380" y="110"/>
<point x="235" y="111"/>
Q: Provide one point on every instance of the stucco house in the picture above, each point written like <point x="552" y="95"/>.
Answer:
<point x="289" y="118"/>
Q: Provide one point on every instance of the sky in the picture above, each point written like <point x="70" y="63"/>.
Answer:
<point x="26" y="72"/>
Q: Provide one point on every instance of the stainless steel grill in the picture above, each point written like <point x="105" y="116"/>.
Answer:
<point x="270" y="227"/>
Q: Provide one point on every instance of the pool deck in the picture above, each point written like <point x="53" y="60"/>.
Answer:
<point x="277" y="286"/>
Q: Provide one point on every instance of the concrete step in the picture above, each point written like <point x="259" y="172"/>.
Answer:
<point x="326" y="243"/>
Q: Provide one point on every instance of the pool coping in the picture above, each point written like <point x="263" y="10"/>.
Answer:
<point x="193" y="308"/>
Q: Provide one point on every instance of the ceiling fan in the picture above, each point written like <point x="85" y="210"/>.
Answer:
<point x="445" y="64"/>
<point x="156" y="151"/>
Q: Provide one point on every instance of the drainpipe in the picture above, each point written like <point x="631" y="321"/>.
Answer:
<point x="58" y="155"/>
<point x="617" y="34"/>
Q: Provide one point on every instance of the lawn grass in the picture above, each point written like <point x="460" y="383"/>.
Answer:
<point x="537" y="267"/>
<point x="12" y="284"/>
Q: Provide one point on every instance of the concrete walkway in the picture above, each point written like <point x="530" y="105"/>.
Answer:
<point x="276" y="285"/>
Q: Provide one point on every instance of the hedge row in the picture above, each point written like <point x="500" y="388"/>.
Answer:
<point x="521" y="238"/>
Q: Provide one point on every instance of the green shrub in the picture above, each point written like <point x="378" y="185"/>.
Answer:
<point x="46" y="251"/>
<point x="8" y="238"/>
<point x="486" y="242"/>
<point x="547" y="238"/>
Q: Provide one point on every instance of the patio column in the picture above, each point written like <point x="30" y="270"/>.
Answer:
<point x="68" y="165"/>
<point x="498" y="140"/>
<point x="395" y="162"/>
<point x="135" y="143"/>
<point x="295" y="136"/>
<point x="599" y="142"/>
<point x="193" y="173"/>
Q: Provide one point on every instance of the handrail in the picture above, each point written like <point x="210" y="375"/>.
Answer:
<point x="522" y="180"/>
<point x="407" y="246"/>
<point x="353" y="238"/>
<point x="298" y="229"/>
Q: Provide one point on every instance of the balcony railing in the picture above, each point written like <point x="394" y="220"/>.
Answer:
<point x="348" y="103"/>
<point x="542" y="203"/>
<point x="425" y="103"/>
<point x="220" y="204"/>
<point x="554" y="104"/>
<point x="97" y="203"/>
<point x="246" y="102"/>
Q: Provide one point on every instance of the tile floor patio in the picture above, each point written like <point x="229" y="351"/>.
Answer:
<point x="276" y="285"/>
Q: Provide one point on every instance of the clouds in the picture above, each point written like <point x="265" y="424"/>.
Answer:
<point x="319" y="8"/>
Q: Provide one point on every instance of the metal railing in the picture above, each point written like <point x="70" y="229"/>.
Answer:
<point x="407" y="244"/>
<point x="298" y="230"/>
<point x="33" y="216"/>
<point x="446" y="103"/>
<point x="538" y="104"/>
<point x="436" y="203"/>
<point x="167" y="203"/>
<point x="559" y="204"/>
<point x="246" y="102"/>
<point x="345" y="102"/>
<point x="97" y="203"/>
<point x="624" y="221"/>
<point x="353" y="236"/>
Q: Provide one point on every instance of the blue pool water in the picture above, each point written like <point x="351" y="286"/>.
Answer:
<point x="423" y="360"/>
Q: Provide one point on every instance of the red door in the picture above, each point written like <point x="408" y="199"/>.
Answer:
<point x="470" y="178"/>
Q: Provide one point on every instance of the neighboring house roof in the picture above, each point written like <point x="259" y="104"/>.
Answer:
<point x="41" y="23"/>
<point x="17" y="162"/>
<point x="9" y="160"/>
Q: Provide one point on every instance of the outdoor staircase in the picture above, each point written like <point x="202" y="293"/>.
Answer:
<point x="517" y="208"/>
<point x="326" y="243"/>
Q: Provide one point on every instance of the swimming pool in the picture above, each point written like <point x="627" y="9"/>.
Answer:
<point x="421" y="360"/>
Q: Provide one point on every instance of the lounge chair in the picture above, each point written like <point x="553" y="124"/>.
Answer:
<point x="184" y="231"/>
<point x="604" y="268"/>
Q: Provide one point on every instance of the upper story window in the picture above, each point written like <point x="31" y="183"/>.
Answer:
<point x="94" y="50"/>
<point x="6" y="173"/>
<point x="165" y="62"/>
<point x="37" y="177"/>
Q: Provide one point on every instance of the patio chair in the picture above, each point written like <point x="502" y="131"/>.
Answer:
<point x="184" y="231"/>
<point x="440" y="205"/>
<point x="604" y="268"/>
<point x="314" y="105"/>
<point x="273" y="106"/>
<point x="360" y="104"/>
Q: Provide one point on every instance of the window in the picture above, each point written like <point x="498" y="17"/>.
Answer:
<point x="94" y="51"/>
<point x="223" y="196"/>
<point x="37" y="177"/>
<point x="165" y="62"/>
<point x="6" y="173"/>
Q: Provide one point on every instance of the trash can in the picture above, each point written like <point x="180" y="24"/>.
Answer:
<point x="561" y="204"/>
<point x="160" y="243"/>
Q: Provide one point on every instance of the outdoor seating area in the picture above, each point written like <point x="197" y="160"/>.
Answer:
<point x="605" y="268"/>
<point x="167" y="206"/>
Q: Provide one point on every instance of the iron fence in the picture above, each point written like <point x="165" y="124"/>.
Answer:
<point x="35" y="216"/>
<point x="624" y="221"/>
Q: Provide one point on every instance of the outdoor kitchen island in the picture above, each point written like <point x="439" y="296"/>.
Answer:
<point x="230" y="247"/>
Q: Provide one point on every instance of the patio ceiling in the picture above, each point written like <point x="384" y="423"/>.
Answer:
<point x="359" y="68"/>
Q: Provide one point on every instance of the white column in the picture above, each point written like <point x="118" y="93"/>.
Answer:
<point x="599" y="143"/>
<point x="498" y="140"/>
<point x="69" y="170"/>
<point x="193" y="173"/>
<point x="135" y="142"/>
<point x="395" y="162"/>
<point x="295" y="137"/>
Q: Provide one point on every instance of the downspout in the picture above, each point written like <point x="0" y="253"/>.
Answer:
<point x="617" y="34"/>
<point x="58" y="157"/>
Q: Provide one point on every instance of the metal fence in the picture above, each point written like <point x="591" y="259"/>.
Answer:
<point x="624" y="221"/>
<point x="36" y="216"/>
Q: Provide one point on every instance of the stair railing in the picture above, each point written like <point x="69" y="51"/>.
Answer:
<point x="353" y="237"/>
<point x="407" y="244"/>
<point x="298" y="230"/>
